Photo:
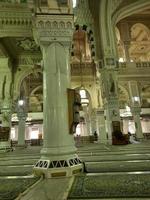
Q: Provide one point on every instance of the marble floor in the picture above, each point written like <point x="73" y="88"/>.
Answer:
<point x="111" y="172"/>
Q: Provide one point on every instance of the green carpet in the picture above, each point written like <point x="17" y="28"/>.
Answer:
<point x="110" y="186"/>
<point x="15" y="171"/>
<point x="122" y="166"/>
<point x="11" y="188"/>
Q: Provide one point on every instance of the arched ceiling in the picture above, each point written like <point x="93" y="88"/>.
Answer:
<point x="145" y="96"/>
<point x="136" y="34"/>
<point x="140" y="42"/>
<point x="32" y="89"/>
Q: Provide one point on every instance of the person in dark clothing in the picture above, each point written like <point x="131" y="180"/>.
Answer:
<point x="95" y="136"/>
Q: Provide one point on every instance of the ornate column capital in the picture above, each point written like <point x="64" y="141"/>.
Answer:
<point x="53" y="28"/>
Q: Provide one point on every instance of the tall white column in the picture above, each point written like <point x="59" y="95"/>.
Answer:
<point x="135" y="107"/>
<point x="101" y="125"/>
<point x="126" y="50"/>
<point x="88" y="125"/>
<point x="27" y="136"/>
<point x="58" y="155"/>
<point x="22" y="115"/>
<point x="125" y="34"/>
<point x="6" y="102"/>
<point x="21" y="129"/>
<point x="125" y="125"/>
<point x="5" y="143"/>
<point x="56" y="74"/>
<point x="110" y="99"/>
<point x="138" y="128"/>
<point x="16" y="132"/>
<point x="93" y="122"/>
<point x="87" y="117"/>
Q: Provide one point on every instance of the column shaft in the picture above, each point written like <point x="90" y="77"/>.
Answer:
<point x="137" y="121"/>
<point x="56" y="75"/>
<point x="5" y="130"/>
<point x="136" y="107"/>
<point x="110" y="99"/>
<point x="58" y="155"/>
<point x="102" y="129"/>
<point x="21" y="132"/>
<point x="126" y="51"/>
<point x="6" y="101"/>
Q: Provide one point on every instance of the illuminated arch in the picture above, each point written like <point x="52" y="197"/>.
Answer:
<point x="20" y="77"/>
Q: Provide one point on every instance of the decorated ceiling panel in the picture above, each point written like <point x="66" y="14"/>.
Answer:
<point x="19" y="46"/>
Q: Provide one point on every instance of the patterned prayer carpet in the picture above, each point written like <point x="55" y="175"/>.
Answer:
<point x="11" y="188"/>
<point x="110" y="186"/>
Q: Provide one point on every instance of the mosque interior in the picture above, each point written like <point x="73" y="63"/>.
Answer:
<point x="74" y="99"/>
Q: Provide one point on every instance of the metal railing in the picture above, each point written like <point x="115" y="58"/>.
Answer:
<point x="86" y="69"/>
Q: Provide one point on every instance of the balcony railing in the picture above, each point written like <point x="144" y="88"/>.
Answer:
<point x="134" y="65"/>
<point x="88" y="69"/>
<point x="135" y="69"/>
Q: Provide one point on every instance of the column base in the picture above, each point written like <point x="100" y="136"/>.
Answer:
<point x="5" y="146"/>
<point x="21" y="146"/>
<point x="58" y="168"/>
<point x="109" y="142"/>
<point x="103" y="142"/>
<point x="140" y="139"/>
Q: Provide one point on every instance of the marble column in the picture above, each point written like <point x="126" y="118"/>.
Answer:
<point x="125" y="126"/>
<point x="138" y="128"/>
<point x="110" y="99"/>
<point x="88" y="125"/>
<point x="58" y="155"/>
<point x="21" y="129"/>
<point x="27" y="136"/>
<point x="126" y="50"/>
<point x="135" y="107"/>
<point x="5" y="143"/>
<point x="102" y="139"/>
<point x="93" y="122"/>
<point x="5" y="101"/>
<point x="16" y="133"/>
<point x="125" y="35"/>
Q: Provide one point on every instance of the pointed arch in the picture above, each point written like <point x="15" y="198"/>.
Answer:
<point x="130" y="9"/>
